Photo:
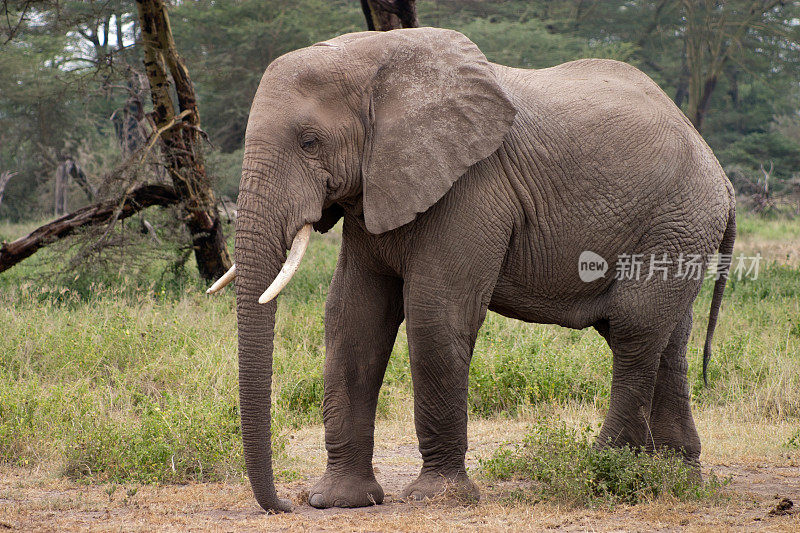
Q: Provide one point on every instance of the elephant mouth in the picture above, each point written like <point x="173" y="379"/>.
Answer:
<point x="296" y="253"/>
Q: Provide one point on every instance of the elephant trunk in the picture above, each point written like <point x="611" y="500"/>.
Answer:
<point x="260" y="251"/>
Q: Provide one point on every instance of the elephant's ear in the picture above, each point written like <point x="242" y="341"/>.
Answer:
<point x="433" y="109"/>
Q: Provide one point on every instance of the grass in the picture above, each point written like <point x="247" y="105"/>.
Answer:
<point x="130" y="375"/>
<point x="775" y="228"/>
<point x="775" y="238"/>
<point x="567" y="469"/>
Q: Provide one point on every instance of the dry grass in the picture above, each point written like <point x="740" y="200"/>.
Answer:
<point x="775" y="239"/>
<point x="113" y="384"/>
<point x="35" y="500"/>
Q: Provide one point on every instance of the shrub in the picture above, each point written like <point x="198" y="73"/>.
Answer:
<point x="566" y="468"/>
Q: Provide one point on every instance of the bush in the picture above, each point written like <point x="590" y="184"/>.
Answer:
<point x="566" y="468"/>
<point x="170" y="440"/>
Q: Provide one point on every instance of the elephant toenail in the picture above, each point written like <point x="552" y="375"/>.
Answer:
<point x="316" y="500"/>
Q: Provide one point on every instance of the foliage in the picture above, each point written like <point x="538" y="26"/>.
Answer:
<point x="567" y="468"/>
<point x="794" y="440"/>
<point x="229" y="44"/>
<point x="126" y="370"/>
<point x="64" y="70"/>
<point x="57" y="94"/>
<point x="767" y="150"/>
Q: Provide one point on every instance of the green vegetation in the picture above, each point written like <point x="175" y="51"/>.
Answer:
<point x="771" y="228"/>
<point x="60" y="87"/>
<point x="133" y="379"/>
<point x="567" y="469"/>
<point x="119" y="368"/>
<point x="794" y="440"/>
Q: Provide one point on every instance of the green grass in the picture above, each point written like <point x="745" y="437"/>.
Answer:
<point x="758" y="227"/>
<point x="565" y="468"/>
<point x="129" y="373"/>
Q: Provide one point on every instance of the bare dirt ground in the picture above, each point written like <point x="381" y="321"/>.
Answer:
<point x="762" y="469"/>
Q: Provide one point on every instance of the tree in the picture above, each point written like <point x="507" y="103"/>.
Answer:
<point x="5" y="177"/>
<point x="384" y="15"/>
<point x="714" y="33"/>
<point x="180" y="135"/>
<point x="56" y="93"/>
<point x="178" y="128"/>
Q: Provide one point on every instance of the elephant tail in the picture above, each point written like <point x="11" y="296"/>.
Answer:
<point x="723" y="270"/>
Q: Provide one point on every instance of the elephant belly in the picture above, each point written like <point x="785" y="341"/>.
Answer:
<point x="518" y="301"/>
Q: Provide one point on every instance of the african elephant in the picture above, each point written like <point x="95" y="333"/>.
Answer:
<point x="465" y="186"/>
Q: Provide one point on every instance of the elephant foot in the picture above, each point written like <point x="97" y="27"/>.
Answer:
<point x="435" y="485"/>
<point x="693" y="466"/>
<point x="337" y="490"/>
<point x="690" y="458"/>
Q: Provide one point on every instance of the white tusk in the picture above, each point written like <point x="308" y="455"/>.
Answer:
<point x="299" y="245"/>
<point x="226" y="278"/>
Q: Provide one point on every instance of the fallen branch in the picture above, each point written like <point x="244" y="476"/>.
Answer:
<point x="131" y="203"/>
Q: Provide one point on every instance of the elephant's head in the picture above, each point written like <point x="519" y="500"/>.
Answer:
<point x="380" y="122"/>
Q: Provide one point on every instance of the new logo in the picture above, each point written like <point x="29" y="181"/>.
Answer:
<point x="591" y="266"/>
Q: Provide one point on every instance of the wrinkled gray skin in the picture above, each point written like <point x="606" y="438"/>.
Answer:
<point x="468" y="186"/>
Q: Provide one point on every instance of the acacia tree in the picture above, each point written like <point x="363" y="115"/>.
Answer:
<point x="714" y="33"/>
<point x="179" y="128"/>
<point x="384" y="15"/>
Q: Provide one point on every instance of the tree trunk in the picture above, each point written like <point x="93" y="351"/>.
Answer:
<point x="61" y="190"/>
<point x="385" y="15"/>
<point x="118" y="209"/>
<point x="704" y="103"/>
<point x="682" y="89"/>
<point x="5" y="177"/>
<point x="69" y="168"/>
<point x="128" y="120"/>
<point x="181" y="139"/>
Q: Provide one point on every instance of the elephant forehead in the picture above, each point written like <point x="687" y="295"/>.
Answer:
<point x="314" y="67"/>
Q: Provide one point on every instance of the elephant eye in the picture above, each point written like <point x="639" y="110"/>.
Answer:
<point x="309" y="142"/>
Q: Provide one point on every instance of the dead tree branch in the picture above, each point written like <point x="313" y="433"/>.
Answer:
<point x="136" y="200"/>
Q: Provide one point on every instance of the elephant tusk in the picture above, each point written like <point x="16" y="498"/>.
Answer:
<point x="226" y="278"/>
<point x="299" y="245"/>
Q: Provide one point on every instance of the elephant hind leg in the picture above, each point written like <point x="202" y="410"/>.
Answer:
<point x="671" y="418"/>
<point x="635" y="367"/>
<point x="635" y="330"/>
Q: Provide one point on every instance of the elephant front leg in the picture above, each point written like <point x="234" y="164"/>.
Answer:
<point x="363" y="313"/>
<point x="441" y="339"/>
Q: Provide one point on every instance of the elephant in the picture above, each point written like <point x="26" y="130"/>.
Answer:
<point x="466" y="186"/>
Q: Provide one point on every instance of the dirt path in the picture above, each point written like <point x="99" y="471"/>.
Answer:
<point x="34" y="500"/>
